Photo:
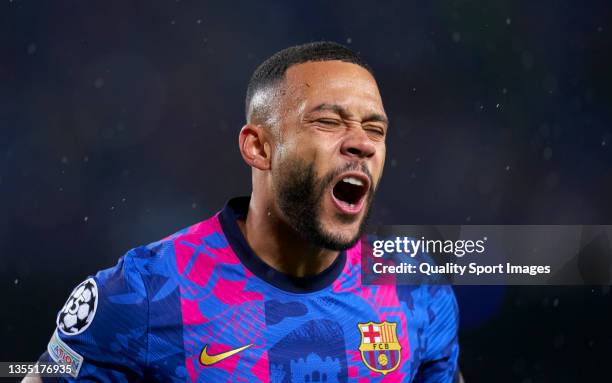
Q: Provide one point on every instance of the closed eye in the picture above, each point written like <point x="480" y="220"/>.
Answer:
<point x="376" y="131"/>
<point x="329" y="121"/>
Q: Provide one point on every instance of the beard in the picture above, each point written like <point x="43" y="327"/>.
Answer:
<point x="300" y="197"/>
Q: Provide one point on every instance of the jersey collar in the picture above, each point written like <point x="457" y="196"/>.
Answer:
<point x="237" y="208"/>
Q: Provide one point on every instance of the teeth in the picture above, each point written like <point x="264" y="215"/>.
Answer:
<point x="353" y="181"/>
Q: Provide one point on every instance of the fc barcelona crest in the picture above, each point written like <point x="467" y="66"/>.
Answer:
<point x="380" y="348"/>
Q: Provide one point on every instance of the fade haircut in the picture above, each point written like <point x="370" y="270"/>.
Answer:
<point x="272" y="71"/>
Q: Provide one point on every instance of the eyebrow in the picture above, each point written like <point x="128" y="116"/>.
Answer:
<point x="340" y="110"/>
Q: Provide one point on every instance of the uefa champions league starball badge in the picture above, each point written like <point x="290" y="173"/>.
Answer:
<point x="79" y="310"/>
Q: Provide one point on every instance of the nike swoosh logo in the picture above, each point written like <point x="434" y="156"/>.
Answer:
<point x="208" y="360"/>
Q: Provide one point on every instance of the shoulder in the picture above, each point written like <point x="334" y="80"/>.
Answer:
<point x="143" y="276"/>
<point x="160" y="258"/>
<point x="108" y="318"/>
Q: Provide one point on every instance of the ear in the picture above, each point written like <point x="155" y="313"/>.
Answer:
<point x="255" y="146"/>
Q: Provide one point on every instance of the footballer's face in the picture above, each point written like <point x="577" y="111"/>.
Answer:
<point x="330" y="151"/>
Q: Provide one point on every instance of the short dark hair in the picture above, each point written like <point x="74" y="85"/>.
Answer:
<point x="274" y="68"/>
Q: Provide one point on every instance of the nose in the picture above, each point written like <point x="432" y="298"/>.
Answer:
<point x="357" y="144"/>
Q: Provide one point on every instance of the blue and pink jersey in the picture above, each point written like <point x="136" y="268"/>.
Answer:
<point x="200" y="306"/>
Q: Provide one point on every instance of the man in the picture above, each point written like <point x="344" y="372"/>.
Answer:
<point x="269" y="288"/>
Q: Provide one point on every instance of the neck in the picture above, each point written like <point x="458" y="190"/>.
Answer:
<point x="279" y="245"/>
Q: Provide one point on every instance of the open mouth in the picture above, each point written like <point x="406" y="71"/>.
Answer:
<point x="349" y="192"/>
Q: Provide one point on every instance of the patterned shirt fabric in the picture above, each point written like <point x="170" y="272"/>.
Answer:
<point x="200" y="306"/>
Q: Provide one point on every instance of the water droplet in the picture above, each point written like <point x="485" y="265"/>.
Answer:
<point x="99" y="83"/>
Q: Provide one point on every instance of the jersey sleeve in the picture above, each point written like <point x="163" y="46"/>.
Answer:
<point x="440" y="363"/>
<point x="101" y="332"/>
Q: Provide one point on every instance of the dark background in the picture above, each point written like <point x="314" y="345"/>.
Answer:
<point x="119" y="123"/>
